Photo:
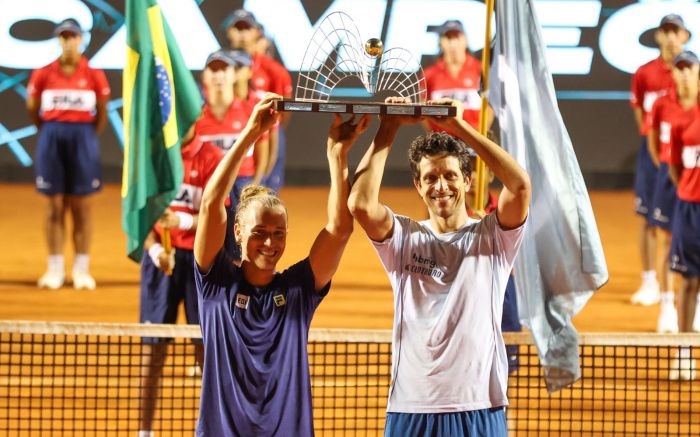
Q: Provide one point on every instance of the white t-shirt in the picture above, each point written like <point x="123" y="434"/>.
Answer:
<point x="448" y="353"/>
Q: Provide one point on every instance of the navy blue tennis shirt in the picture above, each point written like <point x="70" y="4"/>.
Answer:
<point x="255" y="379"/>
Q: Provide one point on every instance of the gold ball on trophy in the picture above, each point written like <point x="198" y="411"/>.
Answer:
<point x="374" y="47"/>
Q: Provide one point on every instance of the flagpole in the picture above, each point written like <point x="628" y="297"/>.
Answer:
<point x="483" y="114"/>
<point x="168" y="246"/>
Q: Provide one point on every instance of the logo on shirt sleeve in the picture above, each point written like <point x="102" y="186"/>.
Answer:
<point x="279" y="300"/>
<point x="242" y="301"/>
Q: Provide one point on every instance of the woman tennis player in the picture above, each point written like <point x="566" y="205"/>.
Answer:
<point x="254" y="320"/>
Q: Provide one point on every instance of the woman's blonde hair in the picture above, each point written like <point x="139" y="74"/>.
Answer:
<point x="257" y="193"/>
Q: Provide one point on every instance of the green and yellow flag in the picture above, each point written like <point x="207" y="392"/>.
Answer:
<point x="161" y="102"/>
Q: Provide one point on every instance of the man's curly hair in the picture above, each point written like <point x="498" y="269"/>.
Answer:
<point x="436" y="143"/>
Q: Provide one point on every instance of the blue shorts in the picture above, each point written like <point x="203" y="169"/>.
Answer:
<point x="664" y="200"/>
<point x="67" y="159"/>
<point x="489" y="422"/>
<point x="644" y="182"/>
<point x="161" y="294"/>
<point x="685" y="239"/>
<point x="275" y="179"/>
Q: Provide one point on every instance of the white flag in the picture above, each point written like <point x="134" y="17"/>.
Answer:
<point x="561" y="261"/>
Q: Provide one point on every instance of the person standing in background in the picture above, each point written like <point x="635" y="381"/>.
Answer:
<point x="676" y="107"/>
<point x="456" y="75"/>
<point x="651" y="81"/>
<point x="167" y="277"/>
<point x="67" y="101"/>
<point x="267" y="75"/>
<point x="223" y="118"/>
<point x="684" y="169"/>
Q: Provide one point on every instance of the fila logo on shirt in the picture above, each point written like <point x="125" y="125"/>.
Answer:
<point x="222" y="141"/>
<point x="68" y="100"/>
<point x="279" y="299"/>
<point x="189" y="196"/>
<point x="242" y="301"/>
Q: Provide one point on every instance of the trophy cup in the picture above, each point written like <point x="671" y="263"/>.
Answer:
<point x="337" y="52"/>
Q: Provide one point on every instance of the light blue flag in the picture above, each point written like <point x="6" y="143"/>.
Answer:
<point x="561" y="261"/>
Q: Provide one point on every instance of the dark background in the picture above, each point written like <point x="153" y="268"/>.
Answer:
<point x="602" y="131"/>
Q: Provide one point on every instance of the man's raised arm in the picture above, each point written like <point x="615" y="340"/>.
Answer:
<point x="364" y="196"/>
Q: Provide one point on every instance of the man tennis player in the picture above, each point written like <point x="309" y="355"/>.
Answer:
<point x="449" y="274"/>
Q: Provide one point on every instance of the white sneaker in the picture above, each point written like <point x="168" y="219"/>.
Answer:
<point x="53" y="280"/>
<point x="668" y="320"/>
<point x="682" y="369"/>
<point x="647" y="294"/>
<point x="83" y="281"/>
<point x="193" y="371"/>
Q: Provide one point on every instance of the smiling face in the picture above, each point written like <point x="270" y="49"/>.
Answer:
<point x="262" y="233"/>
<point x="441" y="184"/>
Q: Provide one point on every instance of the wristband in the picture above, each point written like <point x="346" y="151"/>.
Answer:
<point x="186" y="220"/>
<point x="154" y="252"/>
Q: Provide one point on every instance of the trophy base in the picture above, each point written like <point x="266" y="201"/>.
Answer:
<point x="410" y="109"/>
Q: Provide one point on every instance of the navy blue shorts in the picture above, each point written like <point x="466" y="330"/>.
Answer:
<point x="489" y="422"/>
<point x="161" y="294"/>
<point x="67" y="159"/>
<point x="275" y="179"/>
<point x="685" y="239"/>
<point x="664" y="200"/>
<point x="644" y="182"/>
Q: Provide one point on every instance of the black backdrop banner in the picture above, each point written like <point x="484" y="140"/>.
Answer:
<point x="592" y="48"/>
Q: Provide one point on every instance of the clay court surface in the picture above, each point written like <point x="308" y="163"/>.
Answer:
<point x="624" y="391"/>
<point x="360" y="296"/>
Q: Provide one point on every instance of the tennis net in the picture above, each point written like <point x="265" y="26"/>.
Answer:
<point x="87" y="379"/>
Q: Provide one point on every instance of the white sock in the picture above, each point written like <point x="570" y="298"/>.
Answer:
<point x="144" y="433"/>
<point x="668" y="298"/>
<point x="649" y="275"/>
<point x="55" y="263"/>
<point x="81" y="262"/>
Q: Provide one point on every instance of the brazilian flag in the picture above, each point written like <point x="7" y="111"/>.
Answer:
<point x="161" y="102"/>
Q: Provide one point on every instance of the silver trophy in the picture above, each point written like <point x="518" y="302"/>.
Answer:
<point x="337" y="52"/>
